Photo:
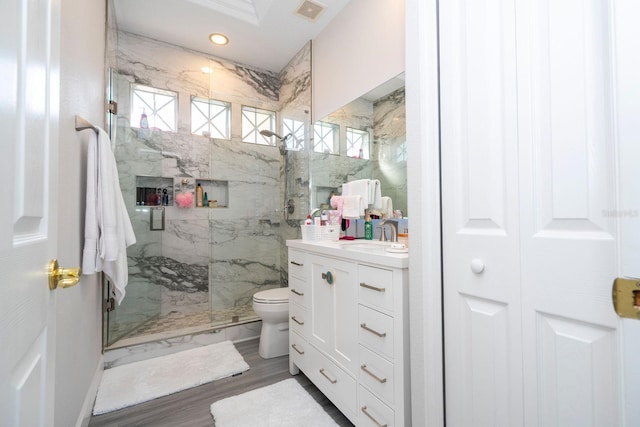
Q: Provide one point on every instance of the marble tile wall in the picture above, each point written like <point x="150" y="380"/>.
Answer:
<point x="205" y="257"/>
<point x="390" y="147"/>
<point x="295" y="101"/>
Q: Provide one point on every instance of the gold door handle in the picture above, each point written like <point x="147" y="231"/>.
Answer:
<point x="63" y="277"/>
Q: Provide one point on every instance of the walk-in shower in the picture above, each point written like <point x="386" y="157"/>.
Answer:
<point x="196" y="268"/>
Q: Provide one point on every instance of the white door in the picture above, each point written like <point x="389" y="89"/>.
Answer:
<point x="569" y="244"/>
<point x="529" y="166"/>
<point x="29" y="32"/>
<point x="481" y="264"/>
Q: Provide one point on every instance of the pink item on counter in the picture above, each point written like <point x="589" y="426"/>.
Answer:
<point x="337" y="202"/>
<point x="184" y="200"/>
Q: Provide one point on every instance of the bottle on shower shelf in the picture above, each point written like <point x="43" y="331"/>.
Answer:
<point x="199" y="196"/>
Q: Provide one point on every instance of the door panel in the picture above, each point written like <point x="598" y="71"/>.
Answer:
<point x="29" y="100"/>
<point x="480" y="213"/>
<point x="567" y="180"/>
<point x="567" y="353"/>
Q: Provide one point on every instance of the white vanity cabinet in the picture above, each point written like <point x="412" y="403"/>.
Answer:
<point x="354" y="341"/>
<point x="298" y="297"/>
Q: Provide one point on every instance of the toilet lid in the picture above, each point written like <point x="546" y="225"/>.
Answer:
<point x="272" y="296"/>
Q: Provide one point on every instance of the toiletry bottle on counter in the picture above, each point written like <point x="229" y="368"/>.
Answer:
<point x="199" y="196"/>
<point x="403" y="237"/>
<point x="368" y="228"/>
<point x="205" y="200"/>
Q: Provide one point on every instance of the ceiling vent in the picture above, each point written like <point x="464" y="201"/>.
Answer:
<point x="310" y="9"/>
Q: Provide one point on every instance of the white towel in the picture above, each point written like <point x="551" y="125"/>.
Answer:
<point x="375" y="194"/>
<point x="359" y="187"/>
<point x="108" y="230"/>
<point x="386" y="206"/>
<point x="353" y="207"/>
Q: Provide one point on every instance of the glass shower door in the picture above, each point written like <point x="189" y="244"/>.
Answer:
<point x="142" y="185"/>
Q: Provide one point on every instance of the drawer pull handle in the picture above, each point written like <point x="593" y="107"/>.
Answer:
<point x="377" y="378"/>
<point x="296" y="320"/>
<point x="297" y="292"/>
<point x="373" y="288"/>
<point x="332" y="381"/>
<point x="297" y="263"/>
<point x="293" y="346"/>
<point x="364" y="411"/>
<point x="366" y="328"/>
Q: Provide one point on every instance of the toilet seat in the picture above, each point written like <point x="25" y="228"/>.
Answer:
<point x="272" y="296"/>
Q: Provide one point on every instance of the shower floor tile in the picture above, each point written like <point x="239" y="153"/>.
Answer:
<point x="175" y="323"/>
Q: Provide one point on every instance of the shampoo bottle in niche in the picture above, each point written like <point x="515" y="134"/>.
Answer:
<point x="199" y="196"/>
<point x="368" y="228"/>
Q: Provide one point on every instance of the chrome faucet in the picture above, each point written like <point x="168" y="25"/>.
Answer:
<point x="393" y="225"/>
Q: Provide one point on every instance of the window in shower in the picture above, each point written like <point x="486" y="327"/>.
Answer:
<point x="326" y="138"/>
<point x="357" y="143"/>
<point x="153" y="108"/>
<point x="255" y="120"/>
<point x="296" y="129"/>
<point x="211" y="118"/>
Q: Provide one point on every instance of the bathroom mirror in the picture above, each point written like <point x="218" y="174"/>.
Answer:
<point x="363" y="139"/>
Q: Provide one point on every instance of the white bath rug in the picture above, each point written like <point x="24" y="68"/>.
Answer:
<point x="138" y="382"/>
<point x="283" y="404"/>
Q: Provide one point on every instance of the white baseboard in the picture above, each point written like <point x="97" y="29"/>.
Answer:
<point x="87" y="405"/>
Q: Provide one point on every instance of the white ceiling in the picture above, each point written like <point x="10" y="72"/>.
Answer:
<point x="263" y="33"/>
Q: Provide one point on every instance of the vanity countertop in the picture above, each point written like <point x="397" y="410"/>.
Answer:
<point x="369" y="251"/>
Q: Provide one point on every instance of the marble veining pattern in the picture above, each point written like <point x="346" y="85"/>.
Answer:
<point x="206" y="258"/>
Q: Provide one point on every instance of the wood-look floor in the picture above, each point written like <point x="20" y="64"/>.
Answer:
<point x="190" y="408"/>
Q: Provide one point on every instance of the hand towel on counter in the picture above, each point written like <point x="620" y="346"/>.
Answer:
<point x="353" y="207"/>
<point x="387" y="206"/>
<point x="108" y="230"/>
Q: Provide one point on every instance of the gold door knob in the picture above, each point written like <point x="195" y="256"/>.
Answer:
<point x="63" y="277"/>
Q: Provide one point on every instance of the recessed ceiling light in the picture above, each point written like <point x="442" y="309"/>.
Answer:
<point x="218" y="39"/>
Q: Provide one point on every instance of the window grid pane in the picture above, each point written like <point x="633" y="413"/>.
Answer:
<point x="158" y="105"/>
<point x="325" y="138"/>
<point x="253" y="121"/>
<point x="210" y="117"/>
<point x="296" y="129"/>
<point x="401" y="152"/>
<point x="357" y="143"/>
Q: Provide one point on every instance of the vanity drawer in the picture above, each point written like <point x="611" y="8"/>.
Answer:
<point x="298" y="351"/>
<point x="375" y="287"/>
<point x="376" y="374"/>
<point x="375" y="331"/>
<point x="297" y="319"/>
<point x="334" y="382"/>
<point x="298" y="264"/>
<point x="298" y="291"/>
<point x="372" y="412"/>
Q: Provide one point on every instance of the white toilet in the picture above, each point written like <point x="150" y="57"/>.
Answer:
<point x="272" y="306"/>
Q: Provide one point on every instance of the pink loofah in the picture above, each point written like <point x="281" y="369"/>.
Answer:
<point x="184" y="200"/>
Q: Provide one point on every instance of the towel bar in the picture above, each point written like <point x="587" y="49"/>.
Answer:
<point x="83" y="124"/>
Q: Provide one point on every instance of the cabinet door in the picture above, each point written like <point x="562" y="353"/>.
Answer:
<point x="333" y="311"/>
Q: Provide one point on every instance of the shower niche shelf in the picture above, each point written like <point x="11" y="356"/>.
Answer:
<point x="217" y="192"/>
<point x="154" y="191"/>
